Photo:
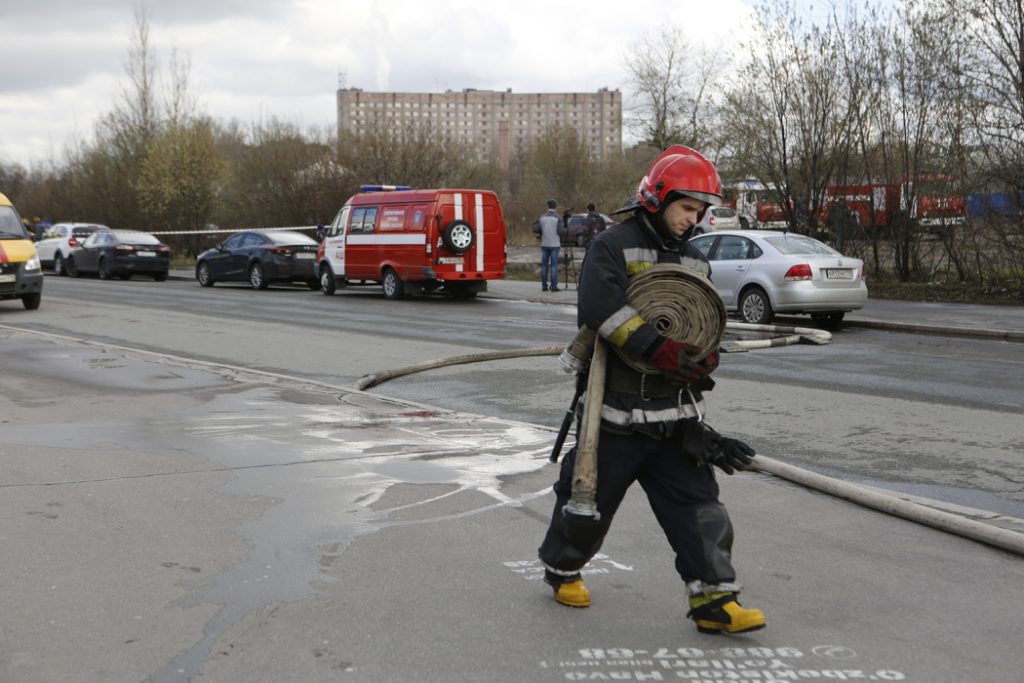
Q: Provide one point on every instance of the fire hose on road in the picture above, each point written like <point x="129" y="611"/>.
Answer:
<point x="674" y="302"/>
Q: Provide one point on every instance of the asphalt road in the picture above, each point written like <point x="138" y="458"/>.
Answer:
<point x="235" y="513"/>
<point x="862" y="408"/>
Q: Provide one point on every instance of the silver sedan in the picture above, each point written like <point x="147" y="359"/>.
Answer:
<point x="759" y="273"/>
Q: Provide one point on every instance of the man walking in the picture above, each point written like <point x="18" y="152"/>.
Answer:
<point x="651" y="427"/>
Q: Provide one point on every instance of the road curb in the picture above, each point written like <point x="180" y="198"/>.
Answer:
<point x="939" y="330"/>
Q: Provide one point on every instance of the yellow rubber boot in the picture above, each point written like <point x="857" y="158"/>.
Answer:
<point x="572" y="593"/>
<point x="721" y="612"/>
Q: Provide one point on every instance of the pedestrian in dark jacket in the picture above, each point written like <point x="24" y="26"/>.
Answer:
<point x="651" y="424"/>
<point x="593" y="224"/>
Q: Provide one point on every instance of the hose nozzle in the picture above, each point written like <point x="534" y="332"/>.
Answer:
<point x="576" y="357"/>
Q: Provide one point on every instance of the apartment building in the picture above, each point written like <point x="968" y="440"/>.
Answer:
<point x="497" y="124"/>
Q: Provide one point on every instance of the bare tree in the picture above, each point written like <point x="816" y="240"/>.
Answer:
<point x="391" y="151"/>
<point x="790" y="111"/>
<point x="995" y="72"/>
<point x="911" y="145"/>
<point x="108" y="168"/>
<point x="278" y="175"/>
<point x="674" y="84"/>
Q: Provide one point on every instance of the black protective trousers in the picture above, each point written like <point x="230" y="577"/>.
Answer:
<point x="683" y="495"/>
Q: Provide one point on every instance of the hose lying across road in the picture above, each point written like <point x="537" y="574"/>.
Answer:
<point x="861" y="495"/>
<point x="979" y="531"/>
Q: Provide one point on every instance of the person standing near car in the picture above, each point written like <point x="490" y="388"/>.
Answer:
<point x="652" y="428"/>
<point x="593" y="224"/>
<point x="549" y="227"/>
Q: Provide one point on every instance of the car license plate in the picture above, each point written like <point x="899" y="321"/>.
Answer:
<point x="448" y="260"/>
<point x="838" y="274"/>
<point x="149" y="254"/>
<point x="8" y="278"/>
<point x="304" y="254"/>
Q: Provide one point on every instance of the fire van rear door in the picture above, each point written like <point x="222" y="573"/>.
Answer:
<point x="481" y="211"/>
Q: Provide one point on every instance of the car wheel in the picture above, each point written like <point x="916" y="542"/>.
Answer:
<point x="755" y="308"/>
<point x="393" y="287"/>
<point x="831" y="320"/>
<point x="70" y="268"/>
<point x="327" y="282"/>
<point x="581" y="241"/>
<point x="458" y="236"/>
<point x="58" y="265"/>
<point x="104" y="269"/>
<point x="256" y="276"/>
<point x="31" y="301"/>
<point x="159" y="277"/>
<point x="744" y="224"/>
<point x="203" y="275"/>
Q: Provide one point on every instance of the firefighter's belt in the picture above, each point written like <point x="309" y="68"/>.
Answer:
<point x="625" y="380"/>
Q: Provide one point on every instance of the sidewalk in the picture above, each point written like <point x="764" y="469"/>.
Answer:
<point x="967" y="320"/>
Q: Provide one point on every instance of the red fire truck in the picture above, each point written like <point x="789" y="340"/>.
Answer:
<point x="930" y="200"/>
<point x="757" y="205"/>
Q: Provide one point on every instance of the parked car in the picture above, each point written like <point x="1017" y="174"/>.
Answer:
<point x="120" y="253"/>
<point x="21" y="276"/>
<point x="260" y="257"/>
<point x="717" y="218"/>
<point x="577" y="232"/>
<point x="759" y="273"/>
<point x="60" y="240"/>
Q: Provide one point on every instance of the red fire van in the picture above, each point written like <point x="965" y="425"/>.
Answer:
<point x="415" y="241"/>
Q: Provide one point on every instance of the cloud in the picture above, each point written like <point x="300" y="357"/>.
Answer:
<point x="253" y="59"/>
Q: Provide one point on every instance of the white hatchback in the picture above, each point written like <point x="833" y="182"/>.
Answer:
<point x="717" y="218"/>
<point x="60" y="240"/>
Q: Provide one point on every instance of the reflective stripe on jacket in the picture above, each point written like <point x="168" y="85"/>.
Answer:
<point x="615" y="256"/>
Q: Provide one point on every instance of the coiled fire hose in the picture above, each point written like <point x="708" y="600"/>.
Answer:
<point x="681" y="304"/>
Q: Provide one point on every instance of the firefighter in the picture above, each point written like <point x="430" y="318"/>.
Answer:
<point x="650" y="426"/>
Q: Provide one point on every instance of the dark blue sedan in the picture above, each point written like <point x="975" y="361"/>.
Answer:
<point x="260" y="257"/>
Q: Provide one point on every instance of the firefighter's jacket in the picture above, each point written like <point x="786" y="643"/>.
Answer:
<point x="633" y="401"/>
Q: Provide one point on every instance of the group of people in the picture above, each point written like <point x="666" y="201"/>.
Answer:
<point x="651" y="424"/>
<point x="36" y="227"/>
<point x="552" y="229"/>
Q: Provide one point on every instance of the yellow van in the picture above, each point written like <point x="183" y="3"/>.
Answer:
<point x="20" y="274"/>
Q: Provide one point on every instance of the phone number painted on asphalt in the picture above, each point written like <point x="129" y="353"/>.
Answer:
<point x="725" y="664"/>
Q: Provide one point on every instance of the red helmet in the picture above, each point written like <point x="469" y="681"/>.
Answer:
<point x="682" y="172"/>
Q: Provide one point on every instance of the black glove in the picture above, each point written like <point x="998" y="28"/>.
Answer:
<point x="728" y="454"/>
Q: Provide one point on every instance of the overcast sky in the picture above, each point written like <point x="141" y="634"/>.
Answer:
<point x="63" y="63"/>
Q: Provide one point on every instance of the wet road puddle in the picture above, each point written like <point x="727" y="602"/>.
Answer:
<point x="336" y="472"/>
<point x="331" y="465"/>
